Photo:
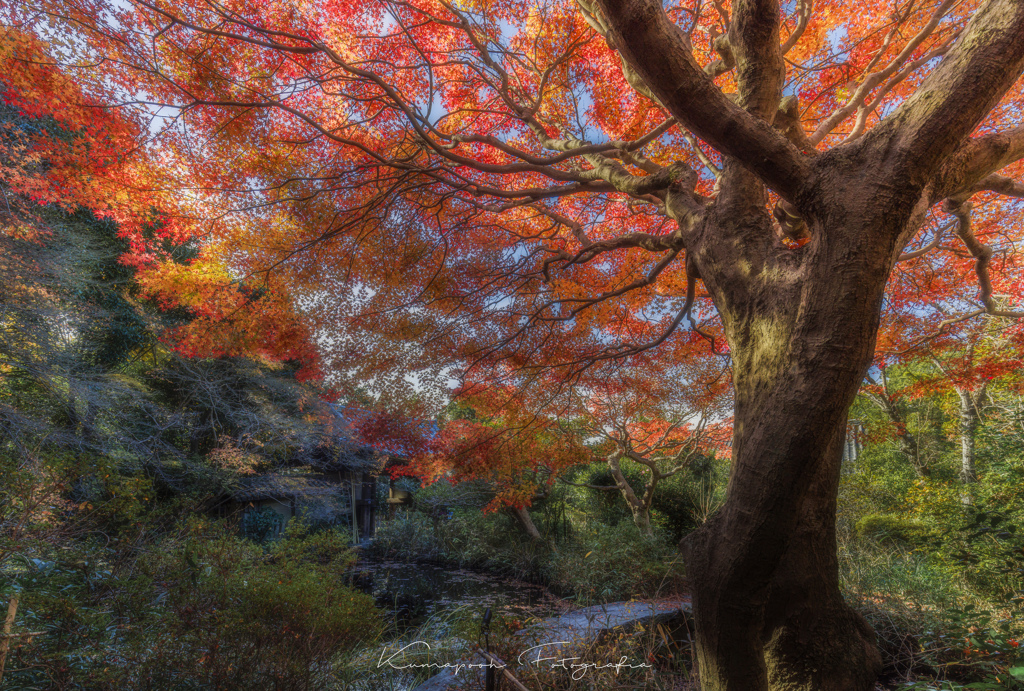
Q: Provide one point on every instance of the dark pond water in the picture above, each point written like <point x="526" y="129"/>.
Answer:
<point x="415" y="593"/>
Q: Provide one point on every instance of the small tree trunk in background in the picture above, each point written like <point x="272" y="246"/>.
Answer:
<point x="968" y="425"/>
<point x="642" y="519"/>
<point x="969" y="419"/>
<point x="906" y="441"/>
<point x="640" y="510"/>
<point x="523" y="519"/>
<point x="355" y="518"/>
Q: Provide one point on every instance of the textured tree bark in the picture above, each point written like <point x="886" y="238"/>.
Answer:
<point x="970" y="417"/>
<point x="813" y="639"/>
<point x="769" y="612"/>
<point x="5" y="643"/>
<point x="968" y="426"/>
<point x="764" y="573"/>
<point x="642" y="520"/>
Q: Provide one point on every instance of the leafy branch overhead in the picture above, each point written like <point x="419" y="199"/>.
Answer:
<point x="527" y="162"/>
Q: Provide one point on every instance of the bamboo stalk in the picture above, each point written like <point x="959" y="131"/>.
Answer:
<point x="5" y="644"/>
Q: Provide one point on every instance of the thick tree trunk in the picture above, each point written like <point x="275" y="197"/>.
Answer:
<point x="791" y="630"/>
<point x="813" y="639"/>
<point x="768" y="610"/>
<point x="801" y="322"/>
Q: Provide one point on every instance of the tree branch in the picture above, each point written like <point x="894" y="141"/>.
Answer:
<point x="983" y="256"/>
<point x="639" y="29"/>
<point x="859" y="97"/>
<point x="940" y="233"/>
<point x="958" y="94"/>
<point x="1008" y="187"/>
<point x="977" y="159"/>
<point x="804" y="11"/>
<point x="760" y="71"/>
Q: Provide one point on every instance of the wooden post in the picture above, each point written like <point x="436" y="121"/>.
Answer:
<point x="499" y="664"/>
<point x="355" y="519"/>
<point x="5" y="644"/>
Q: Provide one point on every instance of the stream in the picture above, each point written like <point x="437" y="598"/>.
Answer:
<point x="416" y="593"/>
<point x="437" y="613"/>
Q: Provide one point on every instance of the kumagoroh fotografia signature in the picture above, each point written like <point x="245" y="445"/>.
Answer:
<point x="575" y="665"/>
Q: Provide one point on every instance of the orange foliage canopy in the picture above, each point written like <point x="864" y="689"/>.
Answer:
<point x="485" y="178"/>
<point x="60" y="148"/>
<point x="63" y="148"/>
<point x="653" y="410"/>
<point x="522" y="190"/>
<point x="505" y="444"/>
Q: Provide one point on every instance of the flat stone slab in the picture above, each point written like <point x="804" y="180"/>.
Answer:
<point x="591" y="620"/>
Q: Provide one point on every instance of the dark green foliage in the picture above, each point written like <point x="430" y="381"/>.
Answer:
<point x="196" y="609"/>
<point x="937" y="564"/>
<point x="260" y="524"/>
<point x="681" y="503"/>
<point x="596" y="562"/>
<point x="988" y="546"/>
<point x="118" y="327"/>
<point x="112" y="449"/>
<point x="976" y="648"/>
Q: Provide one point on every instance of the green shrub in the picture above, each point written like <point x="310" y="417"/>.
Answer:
<point x="260" y="524"/>
<point x="891" y="528"/>
<point x="242" y="618"/>
<point x="869" y="569"/>
<point x="599" y="564"/>
<point x="976" y="648"/>
<point x="616" y="563"/>
<point x="409" y="534"/>
<point x="201" y="610"/>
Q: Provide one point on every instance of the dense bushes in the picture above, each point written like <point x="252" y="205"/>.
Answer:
<point x="616" y="563"/>
<point x="600" y="563"/>
<point x="201" y="609"/>
<point x="681" y="503"/>
<point x="590" y="548"/>
<point x="937" y="566"/>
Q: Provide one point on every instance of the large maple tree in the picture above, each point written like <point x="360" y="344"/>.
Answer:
<point x="530" y="186"/>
